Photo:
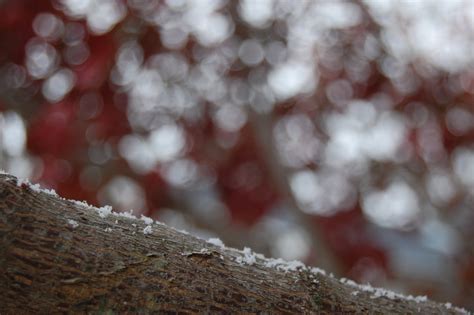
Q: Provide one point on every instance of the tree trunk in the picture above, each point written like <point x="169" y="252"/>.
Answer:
<point x="59" y="256"/>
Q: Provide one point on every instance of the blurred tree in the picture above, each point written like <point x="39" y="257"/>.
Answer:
<point x="334" y="132"/>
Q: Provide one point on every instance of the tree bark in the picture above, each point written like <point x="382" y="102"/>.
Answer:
<point x="59" y="256"/>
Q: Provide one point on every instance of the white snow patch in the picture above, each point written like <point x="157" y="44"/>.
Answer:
<point x="283" y="265"/>
<point x="127" y="214"/>
<point x="82" y="204"/>
<point x="216" y="241"/>
<point x="108" y="230"/>
<point x="147" y="230"/>
<point x="35" y="187"/>
<point x="2" y="172"/>
<point x="104" y="211"/>
<point x="450" y="306"/>
<point x="72" y="223"/>
<point x="248" y="258"/>
<point x="379" y="292"/>
<point x="146" y="219"/>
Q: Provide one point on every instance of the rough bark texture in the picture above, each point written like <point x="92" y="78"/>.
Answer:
<point x="108" y="265"/>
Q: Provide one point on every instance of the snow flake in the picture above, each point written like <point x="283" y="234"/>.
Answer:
<point x="146" y="219"/>
<point x="248" y="258"/>
<point x="104" y="211"/>
<point x="147" y="230"/>
<point x="82" y="204"/>
<point x="72" y="223"/>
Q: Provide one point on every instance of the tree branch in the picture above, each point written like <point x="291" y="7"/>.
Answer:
<point x="59" y="255"/>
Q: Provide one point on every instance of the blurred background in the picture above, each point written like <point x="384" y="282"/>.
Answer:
<point x="337" y="133"/>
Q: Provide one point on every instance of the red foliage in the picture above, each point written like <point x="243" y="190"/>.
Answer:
<point x="94" y="72"/>
<point x="244" y="182"/>
<point x="54" y="130"/>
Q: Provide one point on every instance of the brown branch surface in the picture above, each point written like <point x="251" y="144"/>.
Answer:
<point x="108" y="265"/>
